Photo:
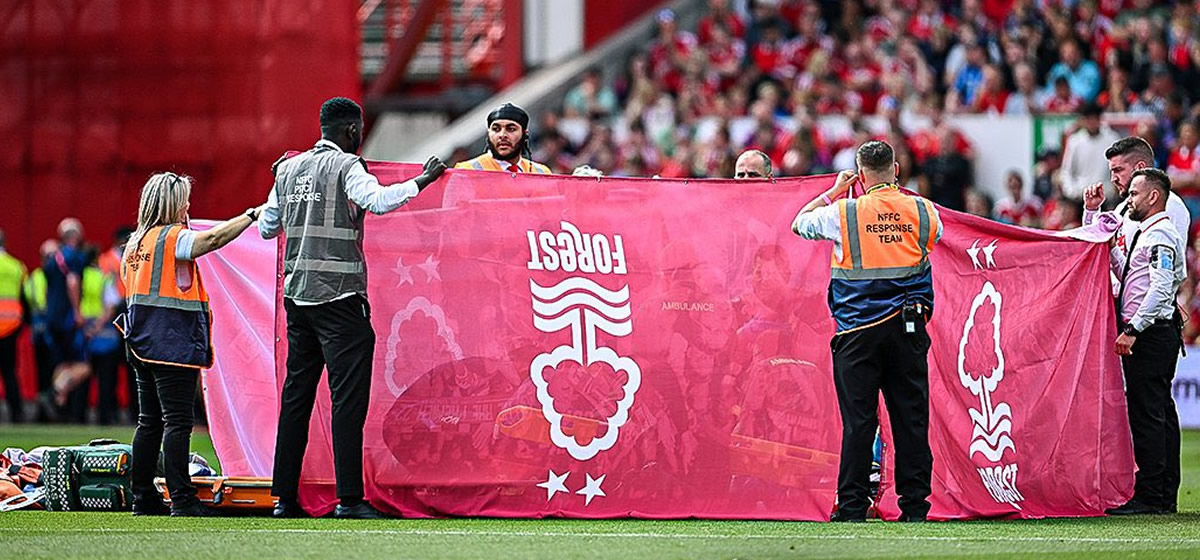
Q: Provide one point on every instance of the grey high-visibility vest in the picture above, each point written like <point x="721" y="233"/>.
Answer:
<point x="323" y="251"/>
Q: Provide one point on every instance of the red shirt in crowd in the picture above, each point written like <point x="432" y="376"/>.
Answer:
<point x="661" y="64"/>
<point x="731" y="21"/>
<point x="1027" y="210"/>
<point x="1184" y="161"/>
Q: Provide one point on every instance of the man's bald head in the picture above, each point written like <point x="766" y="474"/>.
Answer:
<point x="753" y="165"/>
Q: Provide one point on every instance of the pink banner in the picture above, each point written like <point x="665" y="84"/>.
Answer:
<point x="651" y="348"/>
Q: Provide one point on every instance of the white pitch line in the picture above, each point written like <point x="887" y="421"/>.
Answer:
<point x="544" y="534"/>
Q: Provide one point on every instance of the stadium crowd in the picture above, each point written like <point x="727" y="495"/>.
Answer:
<point x="764" y="74"/>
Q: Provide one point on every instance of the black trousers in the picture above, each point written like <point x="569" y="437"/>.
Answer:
<point x="883" y="357"/>
<point x="1153" y="419"/>
<point x="337" y="335"/>
<point x="105" y="372"/>
<point x="8" y="370"/>
<point x="166" y="395"/>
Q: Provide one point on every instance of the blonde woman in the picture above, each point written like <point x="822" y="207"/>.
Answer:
<point x="166" y="330"/>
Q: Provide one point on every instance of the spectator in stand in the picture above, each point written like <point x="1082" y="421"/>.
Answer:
<point x="992" y="96"/>
<point x="719" y="15"/>
<point x="949" y="174"/>
<point x="669" y="51"/>
<point x="1047" y="166"/>
<point x="1063" y="100"/>
<point x="1068" y="214"/>
<point x="1153" y="60"/>
<point x="1084" y="163"/>
<point x="1153" y="100"/>
<point x="724" y="57"/>
<point x="1183" y="165"/>
<point x="1026" y="100"/>
<point x="769" y="54"/>
<point x="591" y="98"/>
<point x="860" y="74"/>
<point x="1018" y="208"/>
<point x="1083" y="75"/>
<point x="978" y="204"/>
<point x="1118" y="97"/>
<point x="968" y="81"/>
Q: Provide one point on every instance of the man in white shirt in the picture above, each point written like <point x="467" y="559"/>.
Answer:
<point x="1125" y="156"/>
<point x="1082" y="165"/>
<point x="1150" y="271"/>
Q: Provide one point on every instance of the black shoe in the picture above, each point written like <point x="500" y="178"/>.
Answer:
<point x="194" y="510"/>
<point x="152" y="508"/>
<point x="287" y="509"/>
<point x="906" y="518"/>
<point x="1134" y="507"/>
<point x="361" y="511"/>
<point x="839" y="517"/>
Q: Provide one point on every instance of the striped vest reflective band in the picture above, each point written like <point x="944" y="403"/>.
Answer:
<point x="486" y="162"/>
<point x="323" y="252"/>
<point x="12" y="276"/>
<point x="165" y="324"/>
<point x="91" y="293"/>
<point x="886" y="240"/>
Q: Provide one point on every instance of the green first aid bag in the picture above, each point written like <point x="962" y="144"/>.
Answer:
<point x="93" y="477"/>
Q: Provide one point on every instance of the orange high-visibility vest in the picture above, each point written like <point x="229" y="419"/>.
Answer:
<point x="12" y="277"/>
<point x="486" y="162"/>
<point x="885" y="235"/>
<point x="165" y="324"/>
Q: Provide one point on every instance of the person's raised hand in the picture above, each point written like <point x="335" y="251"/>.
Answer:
<point x="430" y="172"/>
<point x="1093" y="196"/>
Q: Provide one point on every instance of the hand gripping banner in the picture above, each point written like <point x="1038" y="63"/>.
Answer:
<point x="562" y="346"/>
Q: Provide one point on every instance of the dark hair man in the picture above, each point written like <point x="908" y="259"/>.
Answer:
<point x="753" y="165"/>
<point x="1125" y="156"/>
<point x="320" y="199"/>
<point x="1150" y="272"/>
<point x="507" y="141"/>
<point x="881" y="295"/>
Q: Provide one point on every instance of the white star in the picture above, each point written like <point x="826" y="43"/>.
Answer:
<point x="592" y="489"/>
<point x="555" y="484"/>
<point x="429" y="267"/>
<point x="987" y="254"/>
<point x="404" y="272"/>
<point x="974" y="252"/>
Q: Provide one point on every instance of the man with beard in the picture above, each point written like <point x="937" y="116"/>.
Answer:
<point x="1125" y="156"/>
<point x="1150" y="272"/>
<point x="507" y="142"/>
<point x="320" y="200"/>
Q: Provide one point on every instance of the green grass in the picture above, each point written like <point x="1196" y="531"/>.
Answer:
<point x="99" y="535"/>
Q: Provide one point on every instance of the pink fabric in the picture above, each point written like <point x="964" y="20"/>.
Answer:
<point x="681" y="367"/>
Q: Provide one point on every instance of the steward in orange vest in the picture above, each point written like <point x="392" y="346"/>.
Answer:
<point x="165" y="324"/>
<point x="507" y="140"/>
<point x="880" y="295"/>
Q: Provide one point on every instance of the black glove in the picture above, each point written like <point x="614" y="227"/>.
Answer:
<point x="430" y="172"/>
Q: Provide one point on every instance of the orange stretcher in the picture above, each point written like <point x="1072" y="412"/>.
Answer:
<point x="244" y="493"/>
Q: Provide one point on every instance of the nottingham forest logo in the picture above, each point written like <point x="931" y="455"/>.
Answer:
<point x="593" y="310"/>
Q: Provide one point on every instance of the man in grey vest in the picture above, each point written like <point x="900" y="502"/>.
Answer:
<point x="319" y="201"/>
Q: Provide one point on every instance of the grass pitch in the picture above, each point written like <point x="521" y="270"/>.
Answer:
<point x="101" y="535"/>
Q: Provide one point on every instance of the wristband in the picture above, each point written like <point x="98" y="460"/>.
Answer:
<point x="825" y="197"/>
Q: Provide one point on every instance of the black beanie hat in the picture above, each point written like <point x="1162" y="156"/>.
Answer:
<point x="510" y="112"/>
